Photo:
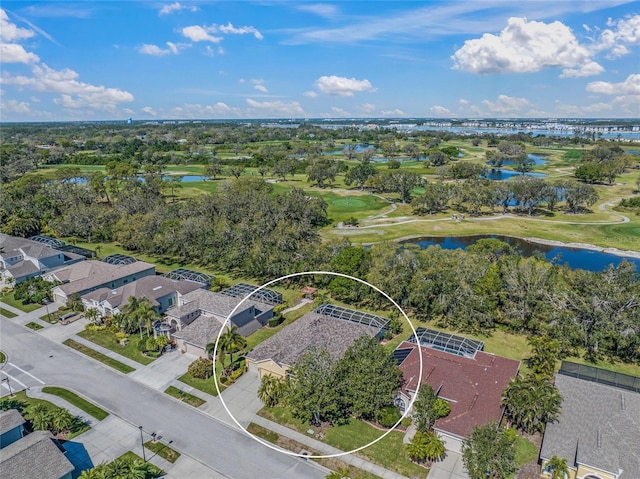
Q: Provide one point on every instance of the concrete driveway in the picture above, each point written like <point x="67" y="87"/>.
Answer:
<point x="451" y="467"/>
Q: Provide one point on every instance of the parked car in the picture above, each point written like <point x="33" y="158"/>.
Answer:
<point x="64" y="319"/>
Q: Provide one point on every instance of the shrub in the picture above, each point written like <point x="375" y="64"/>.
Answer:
<point x="120" y="336"/>
<point x="201" y="368"/>
<point x="279" y="308"/>
<point x="395" y="326"/>
<point x="95" y="327"/>
<point x="151" y="344"/>
<point x="406" y="422"/>
<point x="153" y="354"/>
<point x="388" y="416"/>
<point x="142" y="346"/>
<point x="351" y="221"/>
<point x="224" y="379"/>
<point x="235" y="375"/>
<point x="162" y="341"/>
<point x="275" y="321"/>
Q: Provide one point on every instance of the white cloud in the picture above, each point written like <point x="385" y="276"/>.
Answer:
<point x="523" y="46"/>
<point x="258" y="84"/>
<point x="155" y="50"/>
<point x="196" y="110"/>
<point x="14" y="53"/>
<point x="199" y="33"/>
<point x="229" y="28"/>
<point x="623" y="31"/>
<point x="74" y="94"/>
<point x="597" y="107"/>
<point x="10" y="31"/>
<point x="341" y="86"/>
<point x="463" y="101"/>
<point x="277" y="108"/>
<point x="368" y="107"/>
<point x="176" y="7"/>
<point x="397" y="113"/>
<point x="196" y="33"/>
<point x="14" y="106"/>
<point x="588" y="69"/>
<point x="631" y="86"/>
<point x="506" y="104"/>
<point x="337" y="111"/>
<point x="310" y="94"/>
<point x="321" y="9"/>
<point x="438" y="110"/>
<point x="149" y="111"/>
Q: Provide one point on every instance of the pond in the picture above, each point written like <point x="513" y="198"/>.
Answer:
<point x="501" y="175"/>
<point x="537" y="159"/>
<point x="574" y="257"/>
<point x="80" y="180"/>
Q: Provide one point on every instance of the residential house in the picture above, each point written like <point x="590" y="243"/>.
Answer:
<point x="457" y="369"/>
<point x="598" y="430"/>
<point x="200" y="314"/>
<point x="82" y="278"/>
<point x="21" y="259"/>
<point x="37" y="455"/>
<point x="329" y="327"/>
<point x="162" y="293"/>
<point x="11" y="427"/>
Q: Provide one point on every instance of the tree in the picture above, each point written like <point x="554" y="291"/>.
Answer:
<point x="531" y="402"/>
<point x="320" y="171"/>
<point x="40" y="416"/>
<point x="236" y="170"/>
<point x="234" y="341"/>
<point x="368" y="377"/>
<point x="313" y="393"/>
<point x="61" y="420"/>
<point x="402" y="182"/>
<point x="434" y="199"/>
<point x="437" y="157"/>
<point x="545" y="351"/>
<point x="488" y="452"/>
<point x="558" y="468"/>
<point x="271" y="390"/>
<point x="359" y="174"/>
<point x="426" y="446"/>
<point x="213" y="169"/>
<point x="283" y="168"/>
<point x="428" y="408"/>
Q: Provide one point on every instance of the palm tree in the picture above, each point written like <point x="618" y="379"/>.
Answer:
<point x="98" y="472"/>
<point x="132" y="315"/>
<point x="61" y="420"/>
<point x="92" y="314"/>
<point x="40" y="417"/>
<point x="235" y="340"/>
<point x="558" y="468"/>
<point x="531" y="402"/>
<point x="270" y="390"/>
<point x="146" y="314"/>
<point x="418" y="447"/>
<point x="434" y="447"/>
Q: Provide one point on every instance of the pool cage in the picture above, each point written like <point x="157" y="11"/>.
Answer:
<point x="353" y="316"/>
<point x="48" y="240"/>
<point x="118" y="259"/>
<point x="449" y="343"/>
<point x="183" y="274"/>
<point x="242" y="290"/>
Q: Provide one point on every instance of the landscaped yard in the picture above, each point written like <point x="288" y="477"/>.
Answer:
<point x="388" y="452"/>
<point x="34" y="326"/>
<point x="108" y="340"/>
<point x="184" y="396"/>
<point x="205" y="385"/>
<point x="526" y="451"/>
<point x="7" y="314"/>
<point x="9" y="298"/>
<point x="77" y="401"/>
<point x="123" y="368"/>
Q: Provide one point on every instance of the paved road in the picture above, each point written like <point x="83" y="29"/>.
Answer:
<point x="224" y="449"/>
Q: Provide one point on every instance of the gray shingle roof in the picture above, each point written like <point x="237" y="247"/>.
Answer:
<point x="311" y="330"/>
<point x="200" y="332"/>
<point x="34" y="456"/>
<point x="213" y="303"/>
<point x="85" y="275"/>
<point x="10" y="419"/>
<point x="598" y="426"/>
<point x="150" y="287"/>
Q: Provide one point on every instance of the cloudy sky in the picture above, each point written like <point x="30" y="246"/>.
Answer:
<point x="296" y="59"/>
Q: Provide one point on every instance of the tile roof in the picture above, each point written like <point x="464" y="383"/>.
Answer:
<point x="34" y="456"/>
<point x="12" y="244"/>
<point x="599" y="426"/>
<point x="213" y="303"/>
<point x="472" y="386"/>
<point x="10" y="419"/>
<point x="311" y="330"/>
<point x="202" y="331"/>
<point x="90" y="274"/>
<point x="152" y="287"/>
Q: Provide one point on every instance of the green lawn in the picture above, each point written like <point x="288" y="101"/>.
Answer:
<point x="184" y="396"/>
<point x="53" y="317"/>
<point x="388" y="452"/>
<point x="34" y="326"/>
<point x="77" y="401"/>
<point x="7" y="314"/>
<point x="526" y="451"/>
<point x="205" y="385"/>
<point x="163" y="450"/>
<point x="123" y="368"/>
<point x="3" y="357"/>
<point x="108" y="340"/>
<point x="9" y="298"/>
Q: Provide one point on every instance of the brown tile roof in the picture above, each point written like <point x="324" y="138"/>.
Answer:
<point x="36" y="456"/>
<point x="311" y="330"/>
<point x="473" y="386"/>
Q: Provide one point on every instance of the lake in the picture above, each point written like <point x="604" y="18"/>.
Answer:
<point x="501" y="175"/>
<point x="574" y="257"/>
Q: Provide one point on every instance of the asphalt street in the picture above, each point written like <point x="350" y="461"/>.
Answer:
<point x="34" y="360"/>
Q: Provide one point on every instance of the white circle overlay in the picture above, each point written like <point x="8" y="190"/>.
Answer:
<point x="285" y="451"/>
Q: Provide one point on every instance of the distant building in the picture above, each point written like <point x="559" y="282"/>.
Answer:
<point x="598" y="430"/>
<point x="328" y="327"/>
<point x="82" y="278"/>
<point x="457" y="369"/>
<point x="162" y="293"/>
<point x="21" y="258"/>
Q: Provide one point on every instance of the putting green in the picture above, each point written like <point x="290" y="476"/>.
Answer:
<point x="350" y="203"/>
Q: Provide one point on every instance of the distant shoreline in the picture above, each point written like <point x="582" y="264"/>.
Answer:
<point x="615" y="251"/>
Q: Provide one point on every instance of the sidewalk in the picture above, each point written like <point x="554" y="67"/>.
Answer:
<point x="36" y="392"/>
<point x="161" y="373"/>
<point x="108" y="352"/>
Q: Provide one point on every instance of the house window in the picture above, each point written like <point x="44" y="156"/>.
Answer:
<point x="170" y="301"/>
<point x="400" y="404"/>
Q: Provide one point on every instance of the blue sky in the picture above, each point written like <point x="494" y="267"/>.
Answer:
<point x="295" y="59"/>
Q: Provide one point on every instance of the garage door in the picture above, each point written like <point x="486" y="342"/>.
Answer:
<point x="451" y="443"/>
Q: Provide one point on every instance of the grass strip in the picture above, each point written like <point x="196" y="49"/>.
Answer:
<point x="34" y="326"/>
<point x="291" y="445"/>
<point x="3" y="358"/>
<point x="77" y="401"/>
<point x="184" y="396"/>
<point x="7" y="314"/>
<point x="108" y="339"/>
<point x="163" y="450"/>
<point x="10" y="299"/>
<point x="152" y="469"/>
<point x="123" y="368"/>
